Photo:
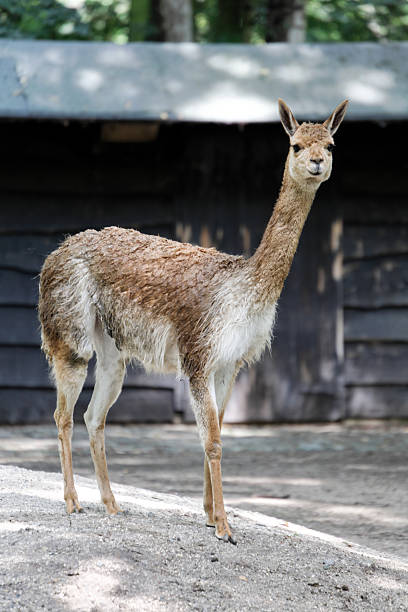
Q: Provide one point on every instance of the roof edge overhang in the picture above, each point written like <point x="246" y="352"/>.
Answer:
<point x="217" y="83"/>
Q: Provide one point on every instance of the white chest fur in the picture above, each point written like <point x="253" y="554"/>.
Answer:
<point x="242" y="334"/>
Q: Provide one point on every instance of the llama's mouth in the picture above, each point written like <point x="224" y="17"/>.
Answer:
<point x="315" y="172"/>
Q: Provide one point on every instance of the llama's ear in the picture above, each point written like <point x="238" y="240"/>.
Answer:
<point x="286" y="116"/>
<point x="337" y="116"/>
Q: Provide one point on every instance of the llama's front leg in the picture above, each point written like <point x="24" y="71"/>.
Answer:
<point x="205" y="410"/>
<point x="223" y="384"/>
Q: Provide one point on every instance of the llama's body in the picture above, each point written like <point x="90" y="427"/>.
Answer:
<point x="164" y="303"/>
<point x="175" y="308"/>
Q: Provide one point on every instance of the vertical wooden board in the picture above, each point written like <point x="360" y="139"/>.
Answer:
<point x="211" y="188"/>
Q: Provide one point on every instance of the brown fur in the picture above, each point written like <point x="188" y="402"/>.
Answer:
<point x="175" y="280"/>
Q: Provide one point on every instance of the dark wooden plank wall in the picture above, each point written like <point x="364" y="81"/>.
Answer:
<point x="216" y="185"/>
<point x="374" y="191"/>
<point x="55" y="181"/>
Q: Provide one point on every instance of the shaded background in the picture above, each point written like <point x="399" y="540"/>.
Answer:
<point x="207" y="170"/>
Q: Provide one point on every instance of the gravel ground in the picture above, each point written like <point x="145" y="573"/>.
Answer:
<point x="349" y="480"/>
<point x="159" y="555"/>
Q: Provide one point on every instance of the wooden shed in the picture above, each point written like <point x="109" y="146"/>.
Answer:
<point x="183" y="140"/>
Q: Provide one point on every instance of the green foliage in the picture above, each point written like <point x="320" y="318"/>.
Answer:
<point x="36" y="19"/>
<point x="51" y="19"/>
<point x="356" y="20"/>
<point x="214" y="20"/>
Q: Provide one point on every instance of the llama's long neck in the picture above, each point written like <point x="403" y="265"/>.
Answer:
<point x="273" y="258"/>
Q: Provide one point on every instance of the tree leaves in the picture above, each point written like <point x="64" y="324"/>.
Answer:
<point x="356" y="20"/>
<point x="214" y="20"/>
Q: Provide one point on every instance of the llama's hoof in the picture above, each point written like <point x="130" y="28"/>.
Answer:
<point x="225" y="534"/>
<point x="114" y="512"/>
<point x="112" y="508"/>
<point x="72" y="504"/>
<point x="229" y="538"/>
<point x="209" y="518"/>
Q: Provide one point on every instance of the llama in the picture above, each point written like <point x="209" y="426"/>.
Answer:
<point x="173" y="307"/>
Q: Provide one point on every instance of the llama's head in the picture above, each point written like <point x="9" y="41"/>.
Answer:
<point x="310" y="155"/>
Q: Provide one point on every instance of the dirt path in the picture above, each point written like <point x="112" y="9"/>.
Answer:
<point x="159" y="556"/>
<point x="347" y="480"/>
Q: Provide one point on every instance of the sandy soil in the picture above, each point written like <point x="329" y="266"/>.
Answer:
<point x="160" y="556"/>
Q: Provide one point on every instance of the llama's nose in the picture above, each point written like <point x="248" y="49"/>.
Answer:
<point x="317" y="160"/>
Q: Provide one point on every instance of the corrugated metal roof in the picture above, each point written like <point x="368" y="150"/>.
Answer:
<point x="227" y="83"/>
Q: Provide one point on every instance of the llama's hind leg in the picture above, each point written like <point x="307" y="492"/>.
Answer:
<point x="110" y="371"/>
<point x="70" y="374"/>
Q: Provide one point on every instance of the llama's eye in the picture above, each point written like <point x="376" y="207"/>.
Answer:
<point x="296" y="148"/>
<point x="330" y="147"/>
